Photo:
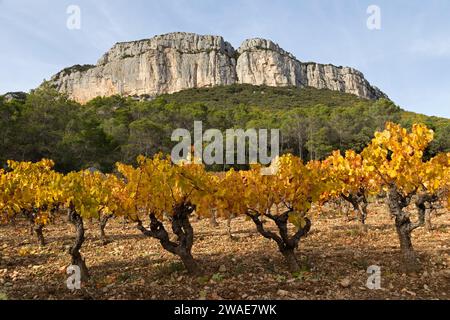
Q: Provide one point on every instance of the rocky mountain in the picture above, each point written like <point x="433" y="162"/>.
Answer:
<point x="176" y="61"/>
<point x="10" y="96"/>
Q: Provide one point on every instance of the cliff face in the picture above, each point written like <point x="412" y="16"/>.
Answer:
<point x="177" y="61"/>
<point x="262" y="62"/>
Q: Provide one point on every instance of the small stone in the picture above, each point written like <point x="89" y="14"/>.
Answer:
<point x="282" y="293"/>
<point x="345" y="283"/>
<point x="222" y="268"/>
<point x="409" y="292"/>
<point x="215" y="296"/>
<point x="445" y="274"/>
<point x="318" y="291"/>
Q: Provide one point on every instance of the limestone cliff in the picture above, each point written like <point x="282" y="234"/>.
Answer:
<point x="262" y="62"/>
<point x="177" y="61"/>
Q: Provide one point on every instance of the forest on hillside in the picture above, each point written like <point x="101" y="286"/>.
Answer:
<point x="312" y="122"/>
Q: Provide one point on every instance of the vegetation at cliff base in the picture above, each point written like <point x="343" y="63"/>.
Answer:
<point x="106" y="130"/>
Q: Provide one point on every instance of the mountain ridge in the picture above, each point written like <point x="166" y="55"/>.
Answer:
<point x="177" y="61"/>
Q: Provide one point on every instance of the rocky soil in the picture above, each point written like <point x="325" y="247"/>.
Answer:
<point x="335" y="257"/>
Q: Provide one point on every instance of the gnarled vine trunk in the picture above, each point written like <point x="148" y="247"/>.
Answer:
<point x="74" y="250"/>
<point x="103" y="222"/>
<point x="38" y="229"/>
<point x="213" y="219"/>
<point x="424" y="213"/>
<point x="35" y="228"/>
<point x="363" y="210"/>
<point x="286" y="244"/>
<point x="428" y="223"/>
<point x="404" y="226"/>
<point x="182" y="228"/>
<point x="229" y="232"/>
<point x="360" y="204"/>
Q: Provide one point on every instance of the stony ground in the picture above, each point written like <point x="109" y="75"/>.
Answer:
<point x="335" y="257"/>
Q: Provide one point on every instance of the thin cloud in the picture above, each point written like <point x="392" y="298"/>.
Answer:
<point x="439" y="47"/>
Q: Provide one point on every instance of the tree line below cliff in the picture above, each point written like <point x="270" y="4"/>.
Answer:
<point x="313" y="122"/>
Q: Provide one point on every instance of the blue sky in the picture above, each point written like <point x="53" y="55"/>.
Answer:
<point x="409" y="58"/>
